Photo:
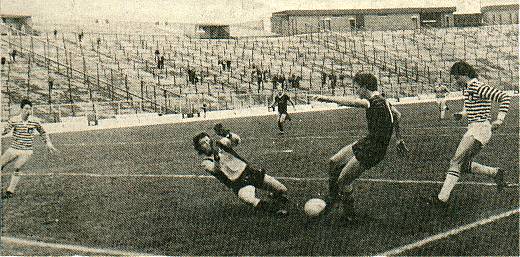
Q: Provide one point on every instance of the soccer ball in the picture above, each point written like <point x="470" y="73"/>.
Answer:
<point x="314" y="207"/>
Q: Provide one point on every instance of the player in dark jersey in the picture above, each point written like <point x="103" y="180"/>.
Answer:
<point x="221" y="161"/>
<point x="354" y="159"/>
<point x="281" y="99"/>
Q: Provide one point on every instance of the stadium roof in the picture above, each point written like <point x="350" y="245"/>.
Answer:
<point x="364" y="11"/>
<point x="14" y="16"/>
<point x="499" y="7"/>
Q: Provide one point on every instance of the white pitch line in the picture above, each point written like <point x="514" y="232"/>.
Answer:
<point x="76" y="248"/>
<point x="171" y="142"/>
<point x="192" y="176"/>
<point x="455" y="231"/>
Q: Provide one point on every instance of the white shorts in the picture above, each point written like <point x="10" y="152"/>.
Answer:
<point x="20" y="157"/>
<point x="480" y="131"/>
<point x="440" y="100"/>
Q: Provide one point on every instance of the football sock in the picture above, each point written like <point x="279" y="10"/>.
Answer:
<point x="483" y="169"/>
<point x="449" y="183"/>
<point x="256" y="202"/>
<point x="15" y="178"/>
<point x="280" y="126"/>
<point x="443" y="112"/>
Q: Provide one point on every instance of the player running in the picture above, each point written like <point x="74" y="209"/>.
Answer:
<point x="354" y="159"/>
<point x="221" y="161"/>
<point x="477" y="109"/>
<point x="441" y="90"/>
<point x="281" y="99"/>
<point x="21" y="150"/>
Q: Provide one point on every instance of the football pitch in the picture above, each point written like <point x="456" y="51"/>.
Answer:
<point x="141" y="191"/>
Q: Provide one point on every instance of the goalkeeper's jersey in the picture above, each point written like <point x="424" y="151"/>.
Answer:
<point x="225" y="163"/>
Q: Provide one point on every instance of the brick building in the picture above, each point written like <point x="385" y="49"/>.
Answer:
<point x="292" y="22"/>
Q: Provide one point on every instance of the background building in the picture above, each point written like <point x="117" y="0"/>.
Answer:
<point x="292" y="22"/>
<point x="18" y="22"/>
<point x="212" y="31"/>
<point x="500" y="14"/>
<point x="467" y="19"/>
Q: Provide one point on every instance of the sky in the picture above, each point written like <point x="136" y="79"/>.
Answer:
<point x="191" y="11"/>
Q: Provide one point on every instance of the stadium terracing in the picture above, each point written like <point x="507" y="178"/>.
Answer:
<point x="113" y="69"/>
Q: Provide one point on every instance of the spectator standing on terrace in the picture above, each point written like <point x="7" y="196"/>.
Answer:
<point x="477" y="108"/>
<point x="23" y="126"/>
<point x="80" y="36"/>
<point x="228" y="65"/>
<point x="13" y="55"/>
<point x="274" y="80"/>
<point x="259" y="80"/>
<point x="55" y="32"/>
<point x="323" y="79"/>
<point x="333" y="80"/>
<point x="156" y="55"/>
<point x="265" y="75"/>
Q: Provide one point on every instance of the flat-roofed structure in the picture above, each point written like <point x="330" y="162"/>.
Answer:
<point x="467" y="19"/>
<point x="16" y="22"/>
<point x="500" y="14"/>
<point x="292" y="22"/>
<point x="214" y="31"/>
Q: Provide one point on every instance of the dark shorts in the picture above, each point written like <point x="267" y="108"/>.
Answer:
<point x="250" y="177"/>
<point x="370" y="152"/>
<point x="282" y="111"/>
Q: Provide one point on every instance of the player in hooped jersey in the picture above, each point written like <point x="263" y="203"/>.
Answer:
<point x="281" y="99"/>
<point x="477" y="109"/>
<point x="354" y="159"/>
<point x="221" y="161"/>
<point x="23" y="126"/>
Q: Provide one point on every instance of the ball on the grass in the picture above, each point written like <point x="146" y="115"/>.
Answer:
<point x="314" y="207"/>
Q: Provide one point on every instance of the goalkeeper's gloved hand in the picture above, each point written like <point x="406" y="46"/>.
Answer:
<point x="220" y="130"/>
<point x="402" y="149"/>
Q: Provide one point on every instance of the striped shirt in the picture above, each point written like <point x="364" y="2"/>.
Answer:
<point x="441" y="90"/>
<point x="23" y="132"/>
<point x="477" y="101"/>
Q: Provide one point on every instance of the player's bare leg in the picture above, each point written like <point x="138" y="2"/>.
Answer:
<point x="336" y="164"/>
<point x="442" y="108"/>
<point x="348" y="175"/>
<point x="281" y="121"/>
<point x="277" y="189"/>
<point x="248" y="195"/>
<point x="5" y="159"/>
<point x="461" y="162"/>
<point x="15" y="177"/>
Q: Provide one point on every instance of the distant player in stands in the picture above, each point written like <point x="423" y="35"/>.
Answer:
<point x="477" y="109"/>
<point x="441" y="90"/>
<point x="23" y="126"/>
<point x="281" y="99"/>
<point x="354" y="159"/>
<point x="221" y="161"/>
